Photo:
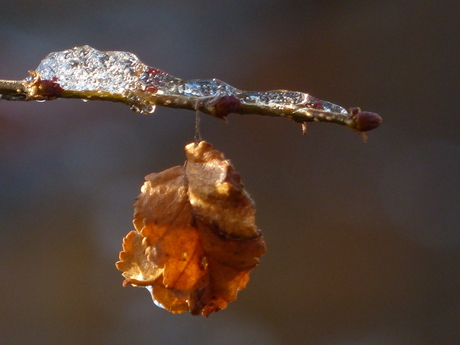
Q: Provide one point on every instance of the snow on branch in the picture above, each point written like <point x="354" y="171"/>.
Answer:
<point x="89" y="74"/>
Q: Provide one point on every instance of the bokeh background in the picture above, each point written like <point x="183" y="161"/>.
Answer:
<point x="363" y="238"/>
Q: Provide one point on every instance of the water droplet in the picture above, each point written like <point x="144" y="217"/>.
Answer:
<point x="143" y="108"/>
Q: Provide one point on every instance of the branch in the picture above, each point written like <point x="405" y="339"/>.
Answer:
<point x="89" y="74"/>
<point x="12" y="90"/>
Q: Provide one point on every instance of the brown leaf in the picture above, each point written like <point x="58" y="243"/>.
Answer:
<point x="195" y="240"/>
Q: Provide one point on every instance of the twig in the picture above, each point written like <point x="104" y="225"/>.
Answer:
<point x="13" y="90"/>
<point x="89" y="74"/>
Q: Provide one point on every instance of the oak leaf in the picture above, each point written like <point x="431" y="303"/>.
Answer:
<point x="196" y="240"/>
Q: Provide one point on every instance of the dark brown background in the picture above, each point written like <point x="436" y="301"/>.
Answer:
<point x="363" y="239"/>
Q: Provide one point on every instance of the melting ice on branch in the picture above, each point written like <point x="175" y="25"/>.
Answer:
<point x="87" y="73"/>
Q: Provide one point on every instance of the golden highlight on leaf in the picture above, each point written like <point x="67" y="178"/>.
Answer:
<point x="196" y="240"/>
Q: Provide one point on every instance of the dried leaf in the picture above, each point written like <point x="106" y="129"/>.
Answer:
<point x="195" y="240"/>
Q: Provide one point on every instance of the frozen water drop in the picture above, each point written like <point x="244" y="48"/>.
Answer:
<point x="142" y="108"/>
<point x="149" y="109"/>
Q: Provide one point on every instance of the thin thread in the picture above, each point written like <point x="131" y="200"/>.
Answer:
<point x="197" y="125"/>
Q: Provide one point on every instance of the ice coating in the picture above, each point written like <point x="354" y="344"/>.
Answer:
<point x="122" y="73"/>
<point x="296" y="101"/>
<point x="87" y="73"/>
<point x="87" y="69"/>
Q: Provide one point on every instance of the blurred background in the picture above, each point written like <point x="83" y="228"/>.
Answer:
<point x="363" y="238"/>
